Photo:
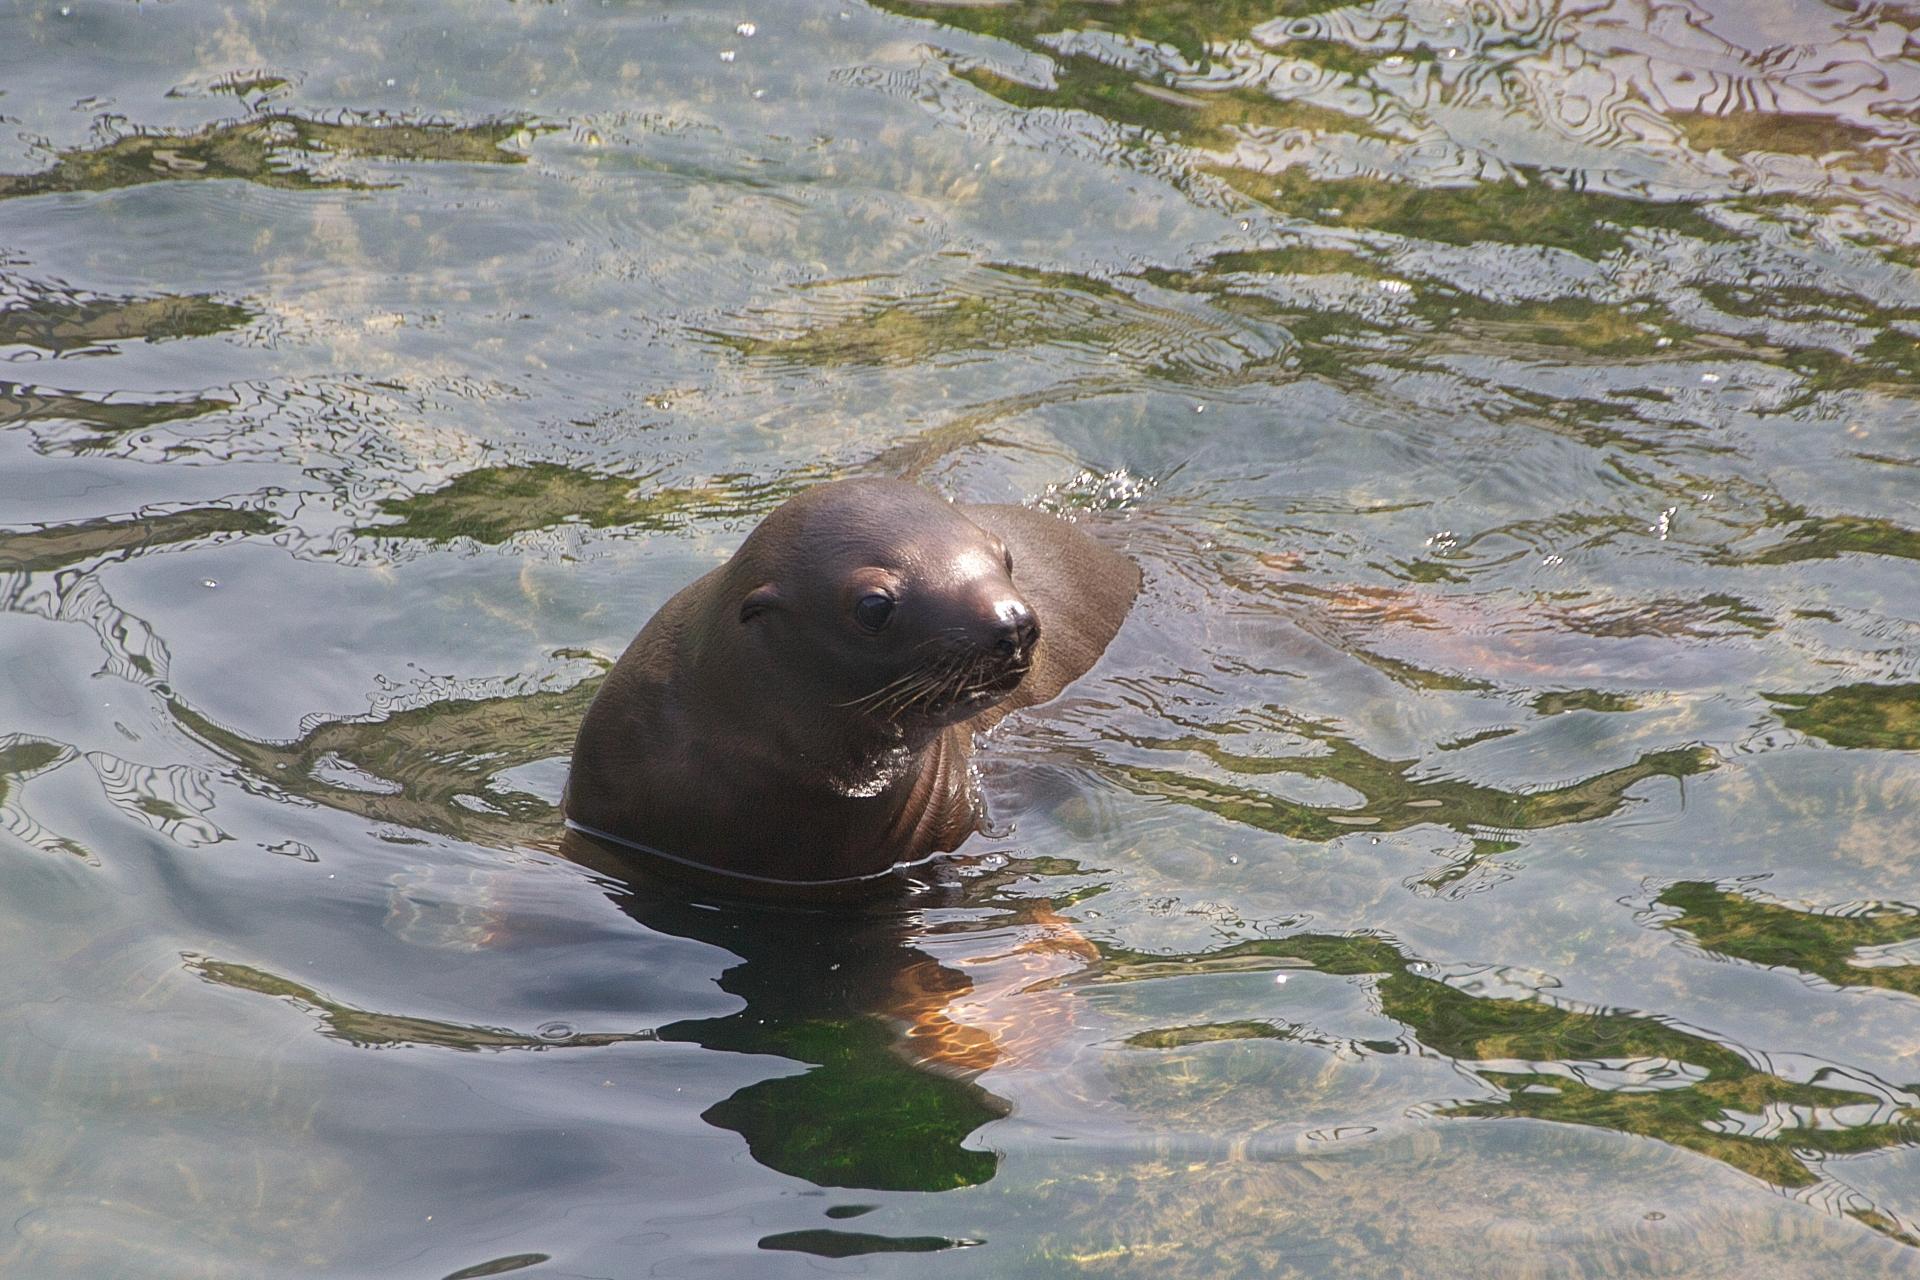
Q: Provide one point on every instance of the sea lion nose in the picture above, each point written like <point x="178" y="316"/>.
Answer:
<point x="1015" y="628"/>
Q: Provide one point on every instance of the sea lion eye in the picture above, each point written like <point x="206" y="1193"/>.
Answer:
<point x="872" y="610"/>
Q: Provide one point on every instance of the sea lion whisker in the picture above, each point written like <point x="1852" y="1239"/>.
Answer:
<point x="901" y="692"/>
<point x="933" y="686"/>
<point x="875" y="694"/>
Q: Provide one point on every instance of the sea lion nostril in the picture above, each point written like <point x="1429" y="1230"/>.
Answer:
<point x="1015" y="629"/>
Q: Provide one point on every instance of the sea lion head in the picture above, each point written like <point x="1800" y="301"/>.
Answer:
<point x="879" y="605"/>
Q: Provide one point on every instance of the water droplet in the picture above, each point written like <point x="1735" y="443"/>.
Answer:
<point x="209" y="583"/>
<point x="66" y="11"/>
<point x="1233" y="859"/>
<point x="745" y="29"/>
<point x="726" y="55"/>
<point x="1709" y="377"/>
<point x="1393" y="60"/>
<point x="1280" y="978"/>
<point x="1199" y="408"/>
<point x="759" y="94"/>
<point x="1246" y="224"/>
<point x="555" y="1031"/>
<point x="391" y="82"/>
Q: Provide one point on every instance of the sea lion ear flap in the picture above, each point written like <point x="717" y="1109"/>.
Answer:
<point x="759" y="600"/>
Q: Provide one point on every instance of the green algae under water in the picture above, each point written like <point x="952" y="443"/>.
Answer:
<point x="1492" y="847"/>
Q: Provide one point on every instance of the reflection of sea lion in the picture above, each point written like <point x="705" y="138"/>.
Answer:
<point x="804" y="712"/>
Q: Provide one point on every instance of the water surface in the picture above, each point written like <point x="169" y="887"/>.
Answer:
<point x="1490" y="848"/>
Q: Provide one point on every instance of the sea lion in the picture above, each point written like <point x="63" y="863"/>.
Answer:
<point x="803" y="714"/>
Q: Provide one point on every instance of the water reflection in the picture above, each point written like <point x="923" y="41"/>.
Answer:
<point x="1378" y="795"/>
<point x="1882" y="716"/>
<point x="491" y="504"/>
<point x="1511" y="403"/>
<point x="1547" y="1060"/>
<point x="102" y="416"/>
<point x="273" y="149"/>
<point x="57" y="546"/>
<point x="886" y="1101"/>
<point x="426" y="767"/>
<point x="63" y="322"/>
<point x="370" y="1030"/>
<point x="1862" y="945"/>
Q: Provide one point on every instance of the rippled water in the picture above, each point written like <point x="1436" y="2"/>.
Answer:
<point x="1490" y="848"/>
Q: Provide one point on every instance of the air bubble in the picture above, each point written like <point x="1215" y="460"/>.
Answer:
<point x="726" y="55"/>
<point x="745" y="29"/>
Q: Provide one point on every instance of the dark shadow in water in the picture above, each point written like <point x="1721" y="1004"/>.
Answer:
<point x="499" y="1266"/>
<point x="887" y="1102"/>
<point x="823" y="1242"/>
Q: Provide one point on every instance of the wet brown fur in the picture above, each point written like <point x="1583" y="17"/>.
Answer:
<point x="742" y="722"/>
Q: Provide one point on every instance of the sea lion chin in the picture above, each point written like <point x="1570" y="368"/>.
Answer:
<point x="803" y="713"/>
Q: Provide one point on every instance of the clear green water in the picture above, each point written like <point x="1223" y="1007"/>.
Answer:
<point x="1492" y="847"/>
